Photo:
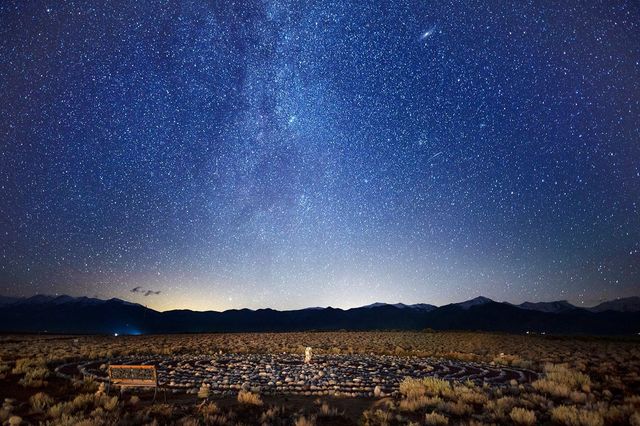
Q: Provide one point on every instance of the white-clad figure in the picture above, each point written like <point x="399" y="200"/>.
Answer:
<point x="307" y="355"/>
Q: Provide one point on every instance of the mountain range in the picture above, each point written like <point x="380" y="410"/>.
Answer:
<point x="66" y="314"/>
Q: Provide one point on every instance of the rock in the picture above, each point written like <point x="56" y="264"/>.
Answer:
<point x="377" y="392"/>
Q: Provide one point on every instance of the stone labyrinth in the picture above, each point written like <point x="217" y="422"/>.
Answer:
<point x="345" y="375"/>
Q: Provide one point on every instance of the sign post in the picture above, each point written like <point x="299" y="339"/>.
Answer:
<point x="135" y="376"/>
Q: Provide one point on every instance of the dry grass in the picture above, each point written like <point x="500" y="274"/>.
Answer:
<point x="522" y="416"/>
<point x="304" y="421"/>
<point x="249" y="398"/>
<point x="15" y="421"/>
<point x="377" y="418"/>
<point x="327" y="411"/>
<point x="40" y="401"/>
<point x="434" y="418"/>
<point x="584" y="381"/>
<point x="573" y="416"/>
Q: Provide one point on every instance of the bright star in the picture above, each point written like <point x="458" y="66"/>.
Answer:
<point x="428" y="33"/>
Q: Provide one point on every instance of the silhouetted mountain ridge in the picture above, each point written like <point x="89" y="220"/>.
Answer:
<point x="557" y="306"/>
<point x="65" y="314"/>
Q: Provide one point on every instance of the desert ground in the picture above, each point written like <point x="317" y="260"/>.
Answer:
<point x="369" y="378"/>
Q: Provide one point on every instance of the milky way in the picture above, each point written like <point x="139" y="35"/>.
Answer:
<point x="212" y="155"/>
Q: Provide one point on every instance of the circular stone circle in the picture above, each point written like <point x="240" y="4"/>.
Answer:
<point x="347" y="375"/>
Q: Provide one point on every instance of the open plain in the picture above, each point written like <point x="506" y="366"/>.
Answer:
<point x="353" y="378"/>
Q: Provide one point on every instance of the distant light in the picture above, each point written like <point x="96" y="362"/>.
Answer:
<point x="115" y="334"/>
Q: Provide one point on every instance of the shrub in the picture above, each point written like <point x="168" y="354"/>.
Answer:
<point x="272" y="413"/>
<point x="24" y="365"/>
<point x="412" y="388"/>
<point x="203" y="392"/>
<point x="188" y="421"/>
<point x="34" y="376"/>
<point x="82" y="401"/>
<point x="574" y="380"/>
<point x="88" y="384"/>
<point x="303" y="421"/>
<point x="416" y="403"/>
<point x="40" y="401"/>
<point x="109" y="404"/>
<point x="434" y="386"/>
<point x="470" y="395"/>
<point x="500" y="407"/>
<point x="58" y="410"/>
<point x="552" y="388"/>
<point x="434" y="418"/>
<point x="457" y="408"/>
<point x="560" y="382"/>
<point x="209" y="409"/>
<point x="572" y="416"/>
<point x="522" y="416"/>
<point x="430" y="386"/>
<point x="249" y="398"/>
<point x="378" y="417"/>
<point x="327" y="411"/>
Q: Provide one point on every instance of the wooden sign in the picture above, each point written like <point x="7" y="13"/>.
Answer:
<point x="134" y="376"/>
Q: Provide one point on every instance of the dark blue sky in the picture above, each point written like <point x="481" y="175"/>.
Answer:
<point x="289" y="154"/>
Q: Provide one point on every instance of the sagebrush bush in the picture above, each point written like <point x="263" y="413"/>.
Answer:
<point x="470" y="395"/>
<point x="522" y="416"/>
<point x="412" y="388"/>
<point x="40" y="401"/>
<point x="434" y="418"/>
<point x="249" y="398"/>
<point x="561" y="374"/>
<point x="327" y="411"/>
<point x="4" y="414"/>
<point x="377" y="417"/>
<point x="304" y="421"/>
<point x="501" y="407"/>
<point x="203" y="392"/>
<point x="272" y="413"/>
<point x="108" y="403"/>
<point x="436" y="387"/>
<point x="24" y="365"/>
<point x="573" y="416"/>
<point x="551" y="388"/>
<point x="457" y="408"/>
<point x="429" y="386"/>
<point x="419" y="402"/>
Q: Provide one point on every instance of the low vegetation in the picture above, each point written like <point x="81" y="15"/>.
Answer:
<point x="582" y="382"/>
<point x="249" y="398"/>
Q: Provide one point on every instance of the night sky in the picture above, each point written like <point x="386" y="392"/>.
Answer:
<point x="215" y="155"/>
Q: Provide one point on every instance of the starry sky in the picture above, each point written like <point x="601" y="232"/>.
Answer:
<point x="219" y="154"/>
